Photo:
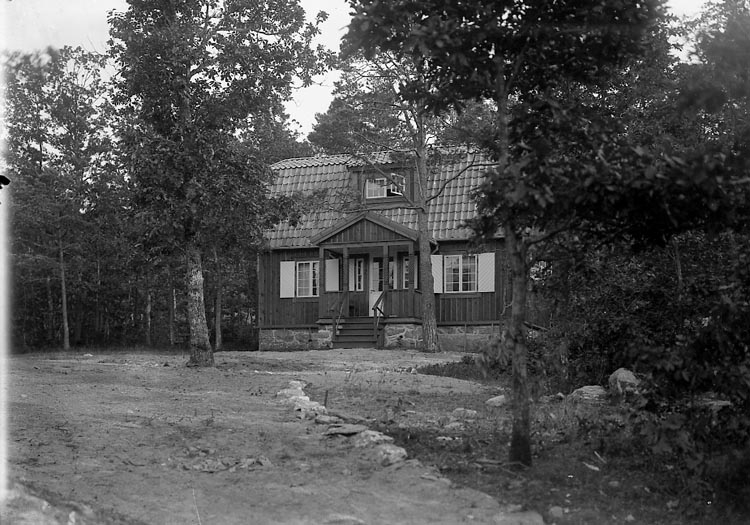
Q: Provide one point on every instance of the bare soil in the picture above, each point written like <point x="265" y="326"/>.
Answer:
<point x="137" y="438"/>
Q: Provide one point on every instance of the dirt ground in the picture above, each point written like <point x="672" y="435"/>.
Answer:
<point x="138" y="438"/>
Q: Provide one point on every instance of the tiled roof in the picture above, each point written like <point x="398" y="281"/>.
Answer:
<point x="330" y="175"/>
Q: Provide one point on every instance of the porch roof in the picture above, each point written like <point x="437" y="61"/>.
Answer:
<point x="338" y="232"/>
<point x="326" y="179"/>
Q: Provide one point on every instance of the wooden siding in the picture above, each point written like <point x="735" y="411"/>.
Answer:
<point x="364" y="232"/>
<point x="475" y="308"/>
<point x="404" y="303"/>
<point x="274" y="311"/>
<point x="451" y="308"/>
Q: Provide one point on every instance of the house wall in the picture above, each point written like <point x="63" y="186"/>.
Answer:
<point x="289" y="313"/>
<point x="473" y="308"/>
<point x="461" y="317"/>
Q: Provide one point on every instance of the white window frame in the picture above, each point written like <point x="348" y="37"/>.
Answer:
<point x="357" y="275"/>
<point x="314" y="278"/>
<point x="461" y="261"/>
<point x="382" y="187"/>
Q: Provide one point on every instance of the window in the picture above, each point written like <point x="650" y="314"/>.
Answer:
<point x="376" y="274"/>
<point x="460" y="273"/>
<point x="306" y="278"/>
<point x="356" y="275"/>
<point x="384" y="187"/>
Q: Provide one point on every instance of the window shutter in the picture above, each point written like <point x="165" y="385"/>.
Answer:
<point x="332" y="275"/>
<point x="486" y="271"/>
<point x="352" y="282"/>
<point x="437" y="273"/>
<point x="286" y="279"/>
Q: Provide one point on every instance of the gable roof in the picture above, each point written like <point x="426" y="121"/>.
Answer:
<point x="330" y="175"/>
<point x="332" y="234"/>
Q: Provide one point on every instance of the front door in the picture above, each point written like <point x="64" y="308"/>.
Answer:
<point x="376" y="283"/>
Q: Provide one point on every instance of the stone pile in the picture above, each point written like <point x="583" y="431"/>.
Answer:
<point x="381" y="445"/>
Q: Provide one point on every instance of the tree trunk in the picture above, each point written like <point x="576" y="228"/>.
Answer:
<point x="147" y="314"/>
<point x="98" y="318"/>
<point x="200" y="345"/>
<point x="78" y="322"/>
<point x="253" y="295"/>
<point x="217" y="304"/>
<point x="171" y="300"/>
<point x="50" y="313"/>
<point x="429" y="320"/>
<point x="678" y="267"/>
<point x="520" y="442"/>
<point x="64" y="298"/>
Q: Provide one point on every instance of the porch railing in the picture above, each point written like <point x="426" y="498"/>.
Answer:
<point x="378" y="312"/>
<point x="340" y="302"/>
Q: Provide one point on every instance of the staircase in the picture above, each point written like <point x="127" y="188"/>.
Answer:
<point x="355" y="332"/>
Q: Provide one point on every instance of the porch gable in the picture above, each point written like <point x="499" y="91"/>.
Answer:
<point x="364" y="228"/>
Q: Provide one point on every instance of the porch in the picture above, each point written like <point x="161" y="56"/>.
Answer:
<point x="369" y="276"/>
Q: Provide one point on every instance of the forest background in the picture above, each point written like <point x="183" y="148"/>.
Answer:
<point x="659" y="285"/>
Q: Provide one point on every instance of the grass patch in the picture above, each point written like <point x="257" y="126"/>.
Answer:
<point x="468" y="369"/>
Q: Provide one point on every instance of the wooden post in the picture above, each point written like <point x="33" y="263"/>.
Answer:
<point x="322" y="303"/>
<point x="412" y="282"/>
<point x="345" y="285"/>
<point x="386" y="279"/>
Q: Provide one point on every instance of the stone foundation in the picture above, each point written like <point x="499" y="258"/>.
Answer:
<point x="296" y="338"/>
<point x="397" y="335"/>
<point x="403" y="335"/>
<point x="451" y="338"/>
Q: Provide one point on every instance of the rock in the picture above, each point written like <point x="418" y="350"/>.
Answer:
<point x="622" y="382"/>
<point x="305" y="405"/>
<point x="614" y="484"/>
<point x="714" y="405"/>
<point x="324" y="419"/>
<point x="463" y="414"/>
<point x="455" y="426"/>
<point x="290" y="393"/>
<point x="552" y="398"/>
<point x="343" y="519"/>
<point x="368" y="438"/>
<point x="589" y="393"/>
<point x="629" y="518"/>
<point x="389" y="454"/>
<point x="497" y="401"/>
<point x="528" y="517"/>
<point x="344" y="430"/>
<point x="556" y="512"/>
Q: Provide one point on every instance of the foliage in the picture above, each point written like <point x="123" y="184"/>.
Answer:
<point x="510" y="52"/>
<point x="366" y="114"/>
<point x="194" y="75"/>
<point x="67" y="217"/>
<point x="676" y="310"/>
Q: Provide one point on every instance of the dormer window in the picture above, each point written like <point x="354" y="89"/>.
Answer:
<point x="382" y="187"/>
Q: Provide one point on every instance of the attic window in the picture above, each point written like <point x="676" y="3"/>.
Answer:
<point x="382" y="187"/>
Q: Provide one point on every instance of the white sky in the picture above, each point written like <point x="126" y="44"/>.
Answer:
<point x="36" y="24"/>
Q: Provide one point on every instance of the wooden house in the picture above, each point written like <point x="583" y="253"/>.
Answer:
<point x="347" y="274"/>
